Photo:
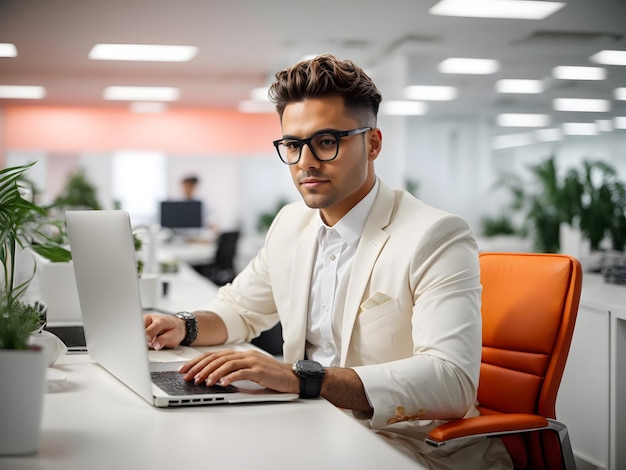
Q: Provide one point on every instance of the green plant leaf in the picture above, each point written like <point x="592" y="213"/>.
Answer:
<point x="54" y="253"/>
<point x="17" y="322"/>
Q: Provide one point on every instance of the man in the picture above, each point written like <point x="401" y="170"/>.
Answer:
<point x="189" y="185"/>
<point x="378" y="291"/>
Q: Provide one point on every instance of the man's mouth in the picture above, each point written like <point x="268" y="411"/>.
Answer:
<point x="312" y="183"/>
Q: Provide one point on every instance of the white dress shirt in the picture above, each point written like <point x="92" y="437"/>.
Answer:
<point x="336" y="247"/>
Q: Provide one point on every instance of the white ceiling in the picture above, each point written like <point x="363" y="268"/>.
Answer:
<point x="243" y="42"/>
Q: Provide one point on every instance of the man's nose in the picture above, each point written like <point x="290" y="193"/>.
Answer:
<point x="307" y="159"/>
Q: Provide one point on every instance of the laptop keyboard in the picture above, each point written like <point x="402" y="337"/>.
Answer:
<point x="172" y="383"/>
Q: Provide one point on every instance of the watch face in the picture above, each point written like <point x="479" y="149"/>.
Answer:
<point x="310" y="367"/>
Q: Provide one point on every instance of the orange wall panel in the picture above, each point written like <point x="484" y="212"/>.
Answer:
<point x="187" y="131"/>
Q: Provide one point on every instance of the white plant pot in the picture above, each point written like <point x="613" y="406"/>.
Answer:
<point x="22" y="390"/>
<point x="55" y="285"/>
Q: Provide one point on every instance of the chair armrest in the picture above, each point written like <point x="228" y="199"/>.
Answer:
<point x="486" y="425"/>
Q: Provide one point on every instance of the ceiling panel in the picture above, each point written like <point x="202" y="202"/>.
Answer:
<point x="243" y="42"/>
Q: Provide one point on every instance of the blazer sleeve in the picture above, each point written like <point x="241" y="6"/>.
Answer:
<point x="440" y="380"/>
<point x="250" y="305"/>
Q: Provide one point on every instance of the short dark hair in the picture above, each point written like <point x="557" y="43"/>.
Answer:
<point x="325" y="76"/>
<point x="191" y="180"/>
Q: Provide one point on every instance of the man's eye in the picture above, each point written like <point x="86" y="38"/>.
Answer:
<point x="292" y="144"/>
<point x="326" y="140"/>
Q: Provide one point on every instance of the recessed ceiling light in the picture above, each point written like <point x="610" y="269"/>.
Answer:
<point x="564" y="72"/>
<point x="609" y="57"/>
<point x="620" y="94"/>
<point x="141" y="93"/>
<point x="514" y="9"/>
<point x="469" y="66"/>
<point x="404" y="108"/>
<point x="7" y="50"/>
<point x="519" y="86"/>
<point x="512" y="140"/>
<point x="548" y="135"/>
<point x="619" y="122"/>
<point x="582" y="105"/>
<point x="22" y="92"/>
<point x="522" y="120"/>
<point x="143" y="52"/>
<point x="580" y="128"/>
<point x="430" y="93"/>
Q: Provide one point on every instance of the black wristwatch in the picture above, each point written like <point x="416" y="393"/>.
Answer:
<point x="191" y="327"/>
<point x="311" y="375"/>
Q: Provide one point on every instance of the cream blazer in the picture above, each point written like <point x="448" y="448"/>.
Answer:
<point x="411" y="325"/>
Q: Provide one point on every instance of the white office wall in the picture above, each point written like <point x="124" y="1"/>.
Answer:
<point x="139" y="183"/>
<point x="456" y="169"/>
<point x="99" y="171"/>
<point x="452" y="165"/>
<point x="265" y="182"/>
<point x="451" y="160"/>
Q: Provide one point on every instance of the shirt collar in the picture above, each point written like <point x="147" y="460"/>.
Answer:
<point x="350" y="226"/>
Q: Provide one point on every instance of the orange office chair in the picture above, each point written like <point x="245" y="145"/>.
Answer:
<point x="529" y="308"/>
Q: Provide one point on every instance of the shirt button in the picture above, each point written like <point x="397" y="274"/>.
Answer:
<point x="332" y="257"/>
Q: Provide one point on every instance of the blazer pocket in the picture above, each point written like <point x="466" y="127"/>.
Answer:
<point x="380" y="311"/>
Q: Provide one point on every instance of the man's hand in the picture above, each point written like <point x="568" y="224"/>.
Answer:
<point x="227" y="366"/>
<point x="163" y="331"/>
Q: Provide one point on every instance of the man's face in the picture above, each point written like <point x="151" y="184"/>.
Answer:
<point x="335" y="186"/>
<point x="189" y="189"/>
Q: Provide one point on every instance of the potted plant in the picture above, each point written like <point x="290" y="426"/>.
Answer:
<point x="602" y="205"/>
<point x="265" y="219"/>
<point x="22" y="388"/>
<point x="79" y="193"/>
<point x="591" y="199"/>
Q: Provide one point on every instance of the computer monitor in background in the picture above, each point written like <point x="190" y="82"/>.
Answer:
<point x="181" y="214"/>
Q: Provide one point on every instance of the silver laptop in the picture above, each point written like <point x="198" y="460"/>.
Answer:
<point x="106" y="277"/>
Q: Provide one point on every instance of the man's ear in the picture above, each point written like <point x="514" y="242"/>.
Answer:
<point x="375" y="142"/>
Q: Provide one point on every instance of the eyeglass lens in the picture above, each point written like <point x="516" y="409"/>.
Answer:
<point x="324" y="147"/>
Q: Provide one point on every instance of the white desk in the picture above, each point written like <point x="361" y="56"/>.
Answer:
<point x="187" y="290"/>
<point x="187" y="252"/>
<point x="91" y="421"/>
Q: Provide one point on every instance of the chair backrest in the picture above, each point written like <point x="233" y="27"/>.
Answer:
<point x="529" y="307"/>
<point x="226" y="249"/>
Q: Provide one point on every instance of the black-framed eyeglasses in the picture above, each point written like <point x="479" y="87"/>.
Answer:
<point x="324" y="145"/>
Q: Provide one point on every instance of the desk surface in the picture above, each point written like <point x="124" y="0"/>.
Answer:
<point x="187" y="290"/>
<point x="92" y="421"/>
<point x="598" y="294"/>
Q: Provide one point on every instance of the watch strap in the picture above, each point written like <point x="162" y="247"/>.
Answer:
<point x="310" y="387"/>
<point x="310" y="381"/>
<point x="191" y="327"/>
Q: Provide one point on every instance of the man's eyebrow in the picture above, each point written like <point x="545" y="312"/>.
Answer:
<point x="320" y="131"/>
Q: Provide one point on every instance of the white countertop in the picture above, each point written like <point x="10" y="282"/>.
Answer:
<point x="92" y="421"/>
<point x="601" y="295"/>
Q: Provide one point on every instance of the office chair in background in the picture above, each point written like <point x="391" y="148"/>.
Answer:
<point x="222" y="269"/>
<point x="529" y="308"/>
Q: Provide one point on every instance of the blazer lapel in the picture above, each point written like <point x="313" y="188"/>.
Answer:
<point x="372" y="241"/>
<point x="300" y="289"/>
